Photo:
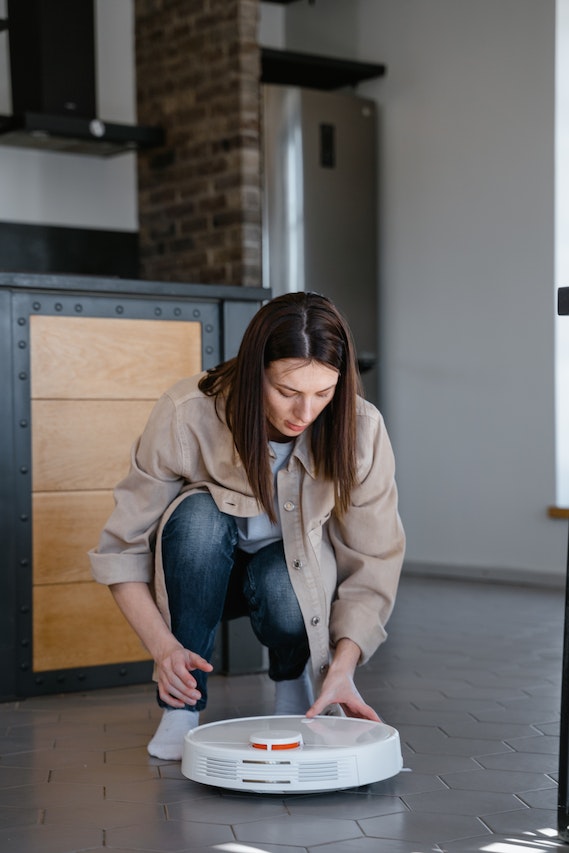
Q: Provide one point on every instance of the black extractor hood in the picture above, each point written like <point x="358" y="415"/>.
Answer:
<point x="52" y="68"/>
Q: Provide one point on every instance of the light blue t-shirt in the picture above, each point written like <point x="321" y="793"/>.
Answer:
<point x="258" y="531"/>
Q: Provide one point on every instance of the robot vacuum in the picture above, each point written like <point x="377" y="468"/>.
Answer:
<point x="291" y="754"/>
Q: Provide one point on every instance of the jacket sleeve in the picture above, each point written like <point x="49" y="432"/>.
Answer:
<point x="125" y="549"/>
<point x="369" y="544"/>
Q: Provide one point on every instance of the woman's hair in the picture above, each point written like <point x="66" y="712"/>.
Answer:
<point x="306" y="326"/>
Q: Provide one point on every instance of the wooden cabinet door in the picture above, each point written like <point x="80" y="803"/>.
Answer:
<point x="93" y="384"/>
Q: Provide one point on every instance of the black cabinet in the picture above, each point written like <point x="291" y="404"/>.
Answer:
<point x="73" y="401"/>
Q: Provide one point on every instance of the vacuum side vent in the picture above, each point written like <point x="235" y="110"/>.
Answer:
<point x="330" y="771"/>
<point x="217" y="768"/>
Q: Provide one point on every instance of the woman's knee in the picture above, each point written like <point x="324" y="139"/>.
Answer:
<point x="197" y="519"/>
<point x="198" y="549"/>
<point x="275" y="612"/>
<point x="199" y="528"/>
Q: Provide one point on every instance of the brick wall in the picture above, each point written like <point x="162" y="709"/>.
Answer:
<point x="198" y="68"/>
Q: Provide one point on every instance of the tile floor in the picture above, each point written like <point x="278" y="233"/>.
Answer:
<point x="470" y="676"/>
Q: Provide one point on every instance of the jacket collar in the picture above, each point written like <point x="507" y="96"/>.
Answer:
<point x="303" y="452"/>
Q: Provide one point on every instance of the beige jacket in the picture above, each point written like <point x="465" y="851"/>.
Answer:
<point x="344" y="571"/>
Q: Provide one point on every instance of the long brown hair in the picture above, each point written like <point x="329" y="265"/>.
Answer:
<point x="296" y="325"/>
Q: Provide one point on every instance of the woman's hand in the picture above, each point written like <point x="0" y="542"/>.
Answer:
<point x="339" y="687"/>
<point x="176" y="684"/>
<point x="174" y="663"/>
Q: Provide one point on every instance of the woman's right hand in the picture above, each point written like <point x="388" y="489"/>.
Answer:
<point x="176" y="684"/>
<point x="174" y="663"/>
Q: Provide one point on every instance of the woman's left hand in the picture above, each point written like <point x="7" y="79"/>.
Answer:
<point x="339" y="687"/>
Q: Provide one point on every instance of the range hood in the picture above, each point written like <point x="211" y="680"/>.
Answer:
<point x="70" y="135"/>
<point x="52" y="67"/>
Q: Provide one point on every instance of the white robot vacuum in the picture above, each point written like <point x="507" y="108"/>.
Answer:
<point x="291" y="754"/>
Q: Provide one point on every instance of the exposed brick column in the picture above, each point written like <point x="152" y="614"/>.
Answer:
<point x="198" y="69"/>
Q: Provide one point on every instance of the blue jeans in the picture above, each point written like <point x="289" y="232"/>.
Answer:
<point x="209" y="579"/>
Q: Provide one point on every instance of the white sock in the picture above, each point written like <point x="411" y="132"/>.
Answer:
<point x="294" y="696"/>
<point x="168" y="740"/>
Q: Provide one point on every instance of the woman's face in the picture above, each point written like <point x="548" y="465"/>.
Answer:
<point x="296" y="391"/>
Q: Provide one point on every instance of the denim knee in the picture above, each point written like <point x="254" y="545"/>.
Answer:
<point x="276" y="617"/>
<point x="197" y="522"/>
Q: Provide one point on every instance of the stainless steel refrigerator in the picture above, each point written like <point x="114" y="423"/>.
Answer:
<point x="320" y="206"/>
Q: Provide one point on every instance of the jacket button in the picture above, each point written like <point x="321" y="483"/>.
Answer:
<point x="315" y="620"/>
<point x="297" y="564"/>
<point x="289" y="506"/>
<point x="323" y="668"/>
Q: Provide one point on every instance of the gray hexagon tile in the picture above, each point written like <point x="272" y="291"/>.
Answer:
<point x="300" y="829"/>
<point x="497" y="780"/>
<point x="104" y="815"/>
<point x="492" y="731"/>
<point x="438" y="763"/>
<point x="174" y="836"/>
<point x="103" y="775"/>
<point x="49" y="839"/>
<point x="543" y="744"/>
<point x="542" y="799"/>
<point x="149" y="791"/>
<point x="370" y="845"/>
<point x="425" y="828"/>
<point x="11" y="777"/>
<point x="48" y="759"/>
<point x="406" y="782"/>
<point x="132" y="755"/>
<point x="540" y="822"/>
<point x="43" y="795"/>
<point x="479" y="803"/>
<point x="14" y="817"/>
<point x="511" y="761"/>
<point x="547" y="728"/>
<point x="237" y="847"/>
<point x="357" y="807"/>
<point x="511" y="843"/>
<point x="515" y="714"/>
<point x="434" y="740"/>
<point x="226" y="809"/>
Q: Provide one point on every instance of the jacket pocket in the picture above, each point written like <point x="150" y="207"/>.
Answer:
<point x="315" y="534"/>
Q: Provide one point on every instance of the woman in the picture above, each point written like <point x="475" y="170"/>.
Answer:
<point x="264" y="486"/>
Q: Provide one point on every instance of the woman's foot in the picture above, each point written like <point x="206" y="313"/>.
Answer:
<point x="168" y="740"/>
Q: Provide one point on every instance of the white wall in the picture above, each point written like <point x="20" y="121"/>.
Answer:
<point x="467" y="267"/>
<point x="467" y="254"/>
<point x="272" y="25"/>
<point x="562" y="248"/>
<point x="48" y="188"/>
